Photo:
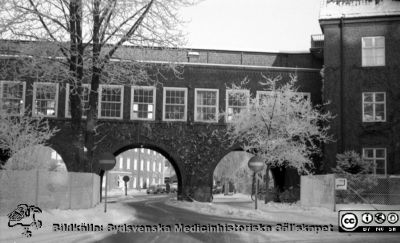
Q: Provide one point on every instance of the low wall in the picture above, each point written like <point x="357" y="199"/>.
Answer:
<point x="318" y="191"/>
<point x="48" y="190"/>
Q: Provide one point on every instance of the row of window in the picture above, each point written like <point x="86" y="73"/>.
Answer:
<point x="143" y="101"/>
<point x="135" y="165"/>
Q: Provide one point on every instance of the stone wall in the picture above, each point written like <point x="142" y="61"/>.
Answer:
<point x="318" y="191"/>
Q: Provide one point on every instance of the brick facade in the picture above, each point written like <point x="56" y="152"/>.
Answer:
<point x="346" y="100"/>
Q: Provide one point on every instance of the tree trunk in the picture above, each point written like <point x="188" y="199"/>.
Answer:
<point x="76" y="68"/>
<point x="91" y="119"/>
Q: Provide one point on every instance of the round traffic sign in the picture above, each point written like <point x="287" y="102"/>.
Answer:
<point x="125" y="178"/>
<point x="256" y="163"/>
<point x="106" y="161"/>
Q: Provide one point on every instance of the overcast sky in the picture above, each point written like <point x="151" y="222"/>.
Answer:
<point x="252" y="25"/>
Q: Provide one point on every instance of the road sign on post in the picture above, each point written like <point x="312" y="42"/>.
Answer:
<point x="126" y="179"/>
<point x="256" y="164"/>
<point x="106" y="162"/>
<point x="340" y="184"/>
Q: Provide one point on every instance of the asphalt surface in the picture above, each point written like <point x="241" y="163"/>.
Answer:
<point x="159" y="218"/>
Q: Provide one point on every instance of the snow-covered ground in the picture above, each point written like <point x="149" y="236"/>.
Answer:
<point x="241" y="206"/>
<point x="117" y="213"/>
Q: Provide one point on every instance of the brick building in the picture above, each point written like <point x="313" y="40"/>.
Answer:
<point x="360" y="51"/>
<point x="362" y="79"/>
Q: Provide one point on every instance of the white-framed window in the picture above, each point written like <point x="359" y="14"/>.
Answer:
<point x="135" y="164"/>
<point x="159" y="167"/>
<point x="263" y="96"/>
<point x="142" y="150"/>
<point x="121" y="163"/>
<point x="373" y="51"/>
<point x="147" y="182"/>
<point x="143" y="102"/>
<point x="206" y="103"/>
<point x="154" y="181"/>
<point x="236" y="101"/>
<point x="377" y="156"/>
<point x="84" y="100"/>
<point x="374" y="106"/>
<point x="154" y="166"/>
<point x="134" y="182"/>
<point x="111" y="101"/>
<point x="135" y="150"/>
<point x="148" y="151"/>
<point x="141" y="164"/>
<point x="45" y="99"/>
<point x="148" y="165"/>
<point x="174" y="104"/>
<point x="12" y="97"/>
<point x="128" y="163"/>
<point x="141" y="182"/>
<point x="154" y="152"/>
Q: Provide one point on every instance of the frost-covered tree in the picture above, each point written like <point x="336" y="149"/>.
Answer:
<point x="76" y="42"/>
<point x="280" y="125"/>
<point x="19" y="136"/>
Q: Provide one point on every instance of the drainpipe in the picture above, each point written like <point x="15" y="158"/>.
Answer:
<point x="342" y="134"/>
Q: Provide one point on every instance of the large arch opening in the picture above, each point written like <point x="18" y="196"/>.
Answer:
<point x="150" y="170"/>
<point x="36" y="157"/>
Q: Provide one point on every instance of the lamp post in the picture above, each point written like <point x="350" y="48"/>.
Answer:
<point x="256" y="164"/>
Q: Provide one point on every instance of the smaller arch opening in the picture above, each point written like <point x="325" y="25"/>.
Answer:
<point x="232" y="175"/>
<point x="38" y="157"/>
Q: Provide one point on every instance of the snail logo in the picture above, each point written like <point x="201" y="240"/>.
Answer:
<point x="24" y="215"/>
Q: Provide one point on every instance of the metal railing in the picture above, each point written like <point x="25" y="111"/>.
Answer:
<point x="317" y="41"/>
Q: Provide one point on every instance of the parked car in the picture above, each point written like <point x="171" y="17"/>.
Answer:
<point x="217" y="189"/>
<point x="161" y="188"/>
<point x="152" y="189"/>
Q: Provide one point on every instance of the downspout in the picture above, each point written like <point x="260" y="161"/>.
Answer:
<point x="342" y="143"/>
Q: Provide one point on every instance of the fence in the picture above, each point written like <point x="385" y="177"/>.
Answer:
<point x="370" y="189"/>
<point x="47" y="190"/>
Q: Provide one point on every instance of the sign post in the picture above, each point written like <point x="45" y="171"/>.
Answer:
<point x="340" y="185"/>
<point x="256" y="164"/>
<point x="126" y="179"/>
<point x="106" y="162"/>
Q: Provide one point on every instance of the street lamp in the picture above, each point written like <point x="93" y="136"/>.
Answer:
<point x="256" y="164"/>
